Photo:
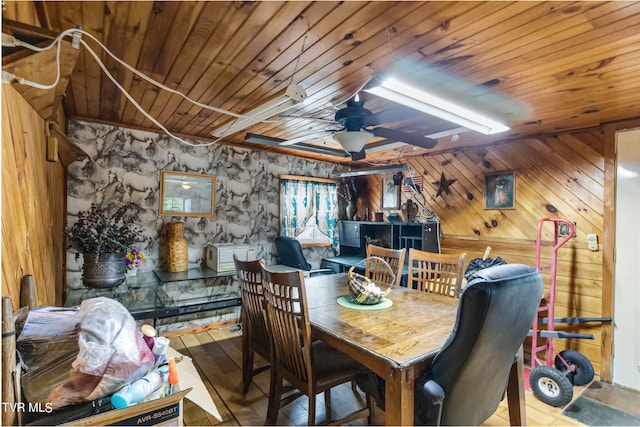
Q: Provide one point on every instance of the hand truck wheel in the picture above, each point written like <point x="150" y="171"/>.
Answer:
<point x="550" y="386"/>
<point x="581" y="371"/>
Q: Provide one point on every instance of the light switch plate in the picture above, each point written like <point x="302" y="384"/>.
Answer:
<point x="592" y="242"/>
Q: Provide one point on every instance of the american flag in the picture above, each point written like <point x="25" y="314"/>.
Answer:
<point x="416" y="181"/>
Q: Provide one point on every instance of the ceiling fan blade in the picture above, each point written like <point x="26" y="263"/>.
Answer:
<point x="409" y="138"/>
<point x="391" y="115"/>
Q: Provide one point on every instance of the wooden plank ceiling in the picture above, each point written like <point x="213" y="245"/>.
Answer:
<point x="540" y="67"/>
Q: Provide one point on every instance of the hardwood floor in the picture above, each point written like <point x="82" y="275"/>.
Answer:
<point x="217" y="354"/>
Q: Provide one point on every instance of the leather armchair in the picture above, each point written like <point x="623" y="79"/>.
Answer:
<point x="467" y="379"/>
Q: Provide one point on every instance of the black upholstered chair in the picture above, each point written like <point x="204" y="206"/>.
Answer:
<point x="466" y="380"/>
<point x="290" y="254"/>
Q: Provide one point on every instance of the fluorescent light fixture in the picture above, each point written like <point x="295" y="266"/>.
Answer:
<point x="420" y="100"/>
<point x="293" y="95"/>
<point x="352" y="142"/>
<point x="374" y="171"/>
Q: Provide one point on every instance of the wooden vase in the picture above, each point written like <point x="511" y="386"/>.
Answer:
<point x="177" y="248"/>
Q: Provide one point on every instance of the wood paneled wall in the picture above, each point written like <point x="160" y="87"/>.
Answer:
<point x="557" y="176"/>
<point x="33" y="210"/>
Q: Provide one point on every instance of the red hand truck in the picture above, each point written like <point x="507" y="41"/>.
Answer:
<point x="552" y="379"/>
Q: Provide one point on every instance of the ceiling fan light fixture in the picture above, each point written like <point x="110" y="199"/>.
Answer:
<point x="292" y="96"/>
<point x="412" y="97"/>
<point x="352" y="141"/>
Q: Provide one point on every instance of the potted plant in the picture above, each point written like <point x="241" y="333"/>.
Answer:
<point x="103" y="240"/>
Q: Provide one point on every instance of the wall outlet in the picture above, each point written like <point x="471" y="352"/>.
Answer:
<point x="592" y="242"/>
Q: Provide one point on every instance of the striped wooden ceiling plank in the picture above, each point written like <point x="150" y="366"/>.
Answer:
<point x="356" y="79"/>
<point x="92" y="19"/>
<point x="338" y="37"/>
<point x="524" y="61"/>
<point x="225" y="88"/>
<point x="575" y="102"/>
<point x="321" y="47"/>
<point x="205" y="70"/>
<point x="75" y="89"/>
<point x="224" y="67"/>
<point x="195" y="45"/>
<point x="475" y="29"/>
<point x="181" y="27"/>
<point x="155" y="45"/>
<point x="135" y="28"/>
<point x="85" y="67"/>
<point x="511" y="44"/>
<point x="563" y="54"/>
<point x="262" y="68"/>
<point x="330" y="85"/>
<point x="115" y="37"/>
<point x="610" y="74"/>
<point x="232" y="18"/>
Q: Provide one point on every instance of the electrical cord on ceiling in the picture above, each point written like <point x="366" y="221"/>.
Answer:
<point x="9" y="77"/>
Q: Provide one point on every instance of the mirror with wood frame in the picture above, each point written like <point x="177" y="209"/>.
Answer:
<point x="187" y="194"/>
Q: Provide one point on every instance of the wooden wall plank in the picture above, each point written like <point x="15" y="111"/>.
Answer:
<point x="33" y="212"/>
<point x="560" y="172"/>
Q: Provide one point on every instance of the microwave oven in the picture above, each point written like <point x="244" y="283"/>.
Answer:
<point x="219" y="256"/>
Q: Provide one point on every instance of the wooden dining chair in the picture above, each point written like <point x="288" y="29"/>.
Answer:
<point x="255" y="336"/>
<point x="439" y="273"/>
<point x="378" y="272"/>
<point x="310" y="366"/>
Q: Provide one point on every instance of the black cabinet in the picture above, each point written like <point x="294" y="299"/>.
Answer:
<point x="356" y="235"/>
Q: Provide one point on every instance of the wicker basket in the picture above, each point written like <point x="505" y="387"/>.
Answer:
<point x="362" y="289"/>
<point x="177" y="248"/>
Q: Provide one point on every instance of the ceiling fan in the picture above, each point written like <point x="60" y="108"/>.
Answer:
<point x="359" y="125"/>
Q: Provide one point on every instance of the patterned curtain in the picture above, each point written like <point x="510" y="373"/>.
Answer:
<point x="327" y="211"/>
<point x="300" y="200"/>
<point x="296" y="205"/>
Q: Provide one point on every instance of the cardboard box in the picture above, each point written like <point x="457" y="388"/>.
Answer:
<point x="166" y="411"/>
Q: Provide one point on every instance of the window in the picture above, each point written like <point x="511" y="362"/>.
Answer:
<point x="309" y="209"/>
<point x="312" y="234"/>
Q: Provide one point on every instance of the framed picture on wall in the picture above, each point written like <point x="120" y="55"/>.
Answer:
<point x="390" y="193"/>
<point x="500" y="190"/>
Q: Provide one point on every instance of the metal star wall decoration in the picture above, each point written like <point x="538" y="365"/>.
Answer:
<point x="443" y="185"/>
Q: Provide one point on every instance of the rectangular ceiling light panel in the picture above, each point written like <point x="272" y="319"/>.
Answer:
<point x="396" y="91"/>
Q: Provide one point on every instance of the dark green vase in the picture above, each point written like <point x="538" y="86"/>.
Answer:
<point x="106" y="271"/>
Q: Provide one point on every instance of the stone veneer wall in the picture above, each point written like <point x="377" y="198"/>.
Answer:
<point x="124" y="167"/>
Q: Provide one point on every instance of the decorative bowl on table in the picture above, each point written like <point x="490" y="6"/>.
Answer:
<point x="393" y="217"/>
<point x="362" y="289"/>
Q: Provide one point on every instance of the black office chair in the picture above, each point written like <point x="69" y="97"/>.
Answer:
<point x="467" y="378"/>
<point x="290" y="254"/>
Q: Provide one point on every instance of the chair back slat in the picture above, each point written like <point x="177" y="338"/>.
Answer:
<point x="378" y="272"/>
<point x="438" y="273"/>
<point x="288" y="319"/>
<point x="253" y="305"/>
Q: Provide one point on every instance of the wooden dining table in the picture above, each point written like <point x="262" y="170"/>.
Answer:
<point x="395" y="342"/>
